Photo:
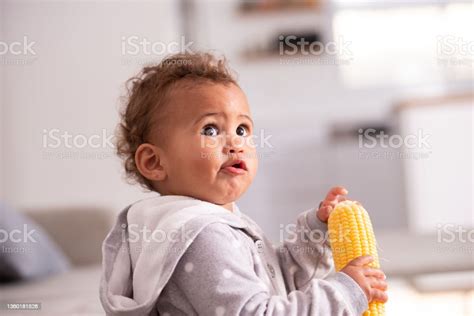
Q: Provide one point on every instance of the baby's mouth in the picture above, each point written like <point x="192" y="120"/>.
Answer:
<point x="235" y="167"/>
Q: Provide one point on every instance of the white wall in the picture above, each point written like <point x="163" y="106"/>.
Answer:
<point x="72" y="84"/>
<point x="439" y="187"/>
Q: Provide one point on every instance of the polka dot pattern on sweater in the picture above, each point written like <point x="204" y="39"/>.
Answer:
<point x="220" y="311"/>
<point x="188" y="267"/>
<point x="227" y="273"/>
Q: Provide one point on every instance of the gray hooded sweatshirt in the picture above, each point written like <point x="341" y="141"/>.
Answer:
<point x="176" y="255"/>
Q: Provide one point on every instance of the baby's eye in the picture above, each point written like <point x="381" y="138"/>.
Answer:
<point x="210" y="130"/>
<point x="242" y="130"/>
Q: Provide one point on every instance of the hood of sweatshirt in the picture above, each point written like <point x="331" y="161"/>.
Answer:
<point x="143" y="248"/>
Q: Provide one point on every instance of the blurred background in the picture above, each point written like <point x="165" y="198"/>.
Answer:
<point x="376" y="96"/>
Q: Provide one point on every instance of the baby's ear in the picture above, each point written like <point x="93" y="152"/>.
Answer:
<point x="150" y="162"/>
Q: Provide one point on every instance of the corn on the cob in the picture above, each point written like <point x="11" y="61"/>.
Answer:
<point x="351" y="235"/>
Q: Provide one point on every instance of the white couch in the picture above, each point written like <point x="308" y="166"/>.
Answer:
<point x="79" y="232"/>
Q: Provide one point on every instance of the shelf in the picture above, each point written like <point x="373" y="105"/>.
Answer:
<point x="270" y="7"/>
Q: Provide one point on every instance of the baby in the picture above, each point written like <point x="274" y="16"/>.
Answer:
<point x="186" y="133"/>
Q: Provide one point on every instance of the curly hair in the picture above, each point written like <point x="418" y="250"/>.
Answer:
<point x="146" y="95"/>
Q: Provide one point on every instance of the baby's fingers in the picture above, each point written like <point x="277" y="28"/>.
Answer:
<point x="375" y="273"/>
<point x="334" y="192"/>
<point x="379" y="296"/>
<point x="361" y="261"/>
<point x="378" y="284"/>
<point x="325" y="210"/>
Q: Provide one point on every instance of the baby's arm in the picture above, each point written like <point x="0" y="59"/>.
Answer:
<point x="219" y="279"/>
<point x="306" y="254"/>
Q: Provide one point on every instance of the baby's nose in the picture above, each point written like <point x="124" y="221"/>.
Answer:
<point x="234" y="144"/>
<point x="234" y="151"/>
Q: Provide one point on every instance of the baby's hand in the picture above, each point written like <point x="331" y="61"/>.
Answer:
<point x="372" y="281"/>
<point x="335" y="195"/>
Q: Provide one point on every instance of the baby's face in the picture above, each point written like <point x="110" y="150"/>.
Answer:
<point x="209" y="152"/>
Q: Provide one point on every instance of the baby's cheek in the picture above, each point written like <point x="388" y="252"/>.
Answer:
<point x="209" y="155"/>
<point x="254" y="168"/>
<point x="210" y="146"/>
<point x="206" y="159"/>
<point x="251" y="153"/>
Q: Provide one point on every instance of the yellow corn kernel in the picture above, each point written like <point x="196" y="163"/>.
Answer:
<point x="351" y="235"/>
